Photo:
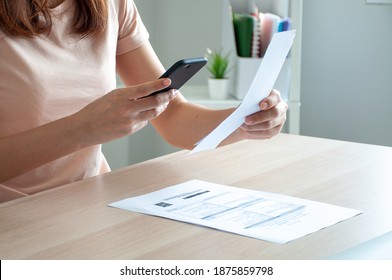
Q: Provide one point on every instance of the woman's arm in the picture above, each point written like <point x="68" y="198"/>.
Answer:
<point x="25" y="151"/>
<point x="183" y="124"/>
<point x="118" y="113"/>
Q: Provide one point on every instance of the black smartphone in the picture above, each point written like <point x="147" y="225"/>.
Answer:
<point x="181" y="71"/>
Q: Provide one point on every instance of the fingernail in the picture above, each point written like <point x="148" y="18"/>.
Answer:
<point x="166" y="82"/>
<point x="263" y="105"/>
<point x="248" y="121"/>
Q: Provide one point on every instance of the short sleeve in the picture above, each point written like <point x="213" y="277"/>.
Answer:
<point x="132" y="33"/>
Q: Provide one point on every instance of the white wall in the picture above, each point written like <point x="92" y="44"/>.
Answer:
<point x="347" y="71"/>
<point x="182" y="28"/>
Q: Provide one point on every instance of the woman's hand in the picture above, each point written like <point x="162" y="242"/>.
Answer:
<point x="122" y="111"/>
<point x="269" y="121"/>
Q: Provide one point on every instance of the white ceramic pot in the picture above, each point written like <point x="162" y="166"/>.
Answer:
<point x="218" y="88"/>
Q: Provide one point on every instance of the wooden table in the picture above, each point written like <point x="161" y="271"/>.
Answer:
<point x="74" y="221"/>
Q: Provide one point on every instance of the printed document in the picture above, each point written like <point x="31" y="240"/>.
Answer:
<point x="262" y="215"/>
<point x="260" y="88"/>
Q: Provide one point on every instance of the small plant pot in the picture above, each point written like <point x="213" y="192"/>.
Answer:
<point x="218" y="88"/>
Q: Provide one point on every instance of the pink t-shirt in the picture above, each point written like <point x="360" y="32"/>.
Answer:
<point x="50" y="77"/>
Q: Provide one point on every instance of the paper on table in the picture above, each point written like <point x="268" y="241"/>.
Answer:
<point x="260" y="88"/>
<point x="262" y="215"/>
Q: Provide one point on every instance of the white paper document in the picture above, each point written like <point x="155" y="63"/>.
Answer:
<point x="262" y="215"/>
<point x="260" y="88"/>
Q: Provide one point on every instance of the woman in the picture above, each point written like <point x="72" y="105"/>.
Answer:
<point x="58" y="100"/>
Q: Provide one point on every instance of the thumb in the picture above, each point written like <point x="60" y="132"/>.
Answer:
<point x="143" y="90"/>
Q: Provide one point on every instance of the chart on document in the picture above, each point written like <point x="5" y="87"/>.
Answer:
<point x="240" y="211"/>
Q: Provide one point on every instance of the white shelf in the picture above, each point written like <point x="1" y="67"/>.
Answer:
<point x="199" y="95"/>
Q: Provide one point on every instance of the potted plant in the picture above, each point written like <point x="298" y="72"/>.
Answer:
<point x="218" y="83"/>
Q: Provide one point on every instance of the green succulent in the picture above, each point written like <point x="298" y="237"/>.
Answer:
<point x="217" y="64"/>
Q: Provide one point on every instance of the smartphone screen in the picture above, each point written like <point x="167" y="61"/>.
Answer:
<point x="181" y="71"/>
